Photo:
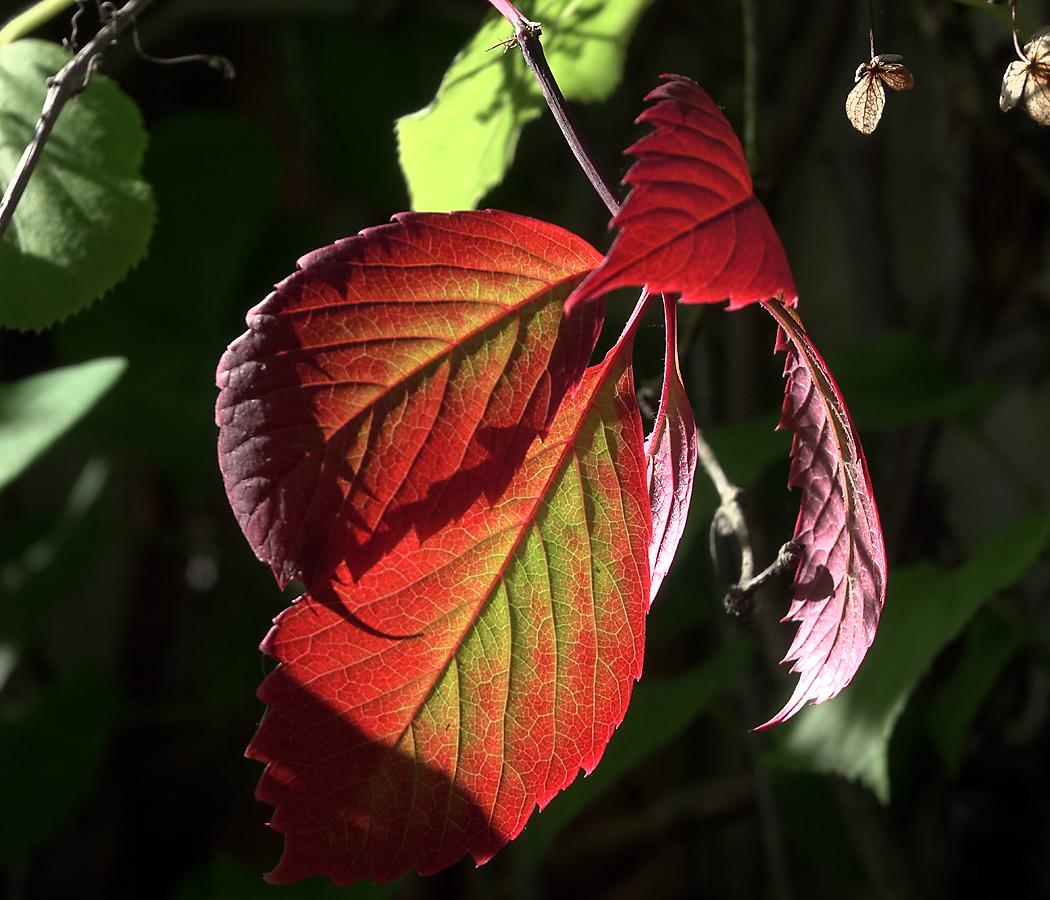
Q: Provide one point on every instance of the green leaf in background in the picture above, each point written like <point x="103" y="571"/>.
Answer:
<point x="1025" y="23"/>
<point x="48" y="759"/>
<point x="899" y="379"/>
<point x="991" y="641"/>
<point x="36" y="411"/>
<point x="810" y="816"/>
<point x="36" y="574"/>
<point x="8" y="661"/>
<point x="216" y="177"/>
<point x="660" y="710"/>
<point x="226" y="879"/>
<point x="461" y="145"/>
<point x="86" y="216"/>
<point x="926" y="609"/>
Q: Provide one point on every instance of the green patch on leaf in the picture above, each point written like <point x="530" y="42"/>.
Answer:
<point x="49" y="758"/>
<point x="36" y="411"/>
<point x="460" y="146"/>
<point x="926" y="608"/>
<point x="86" y="216"/>
<point x="660" y="711"/>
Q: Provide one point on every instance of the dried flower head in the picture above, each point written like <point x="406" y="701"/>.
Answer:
<point x="865" y="102"/>
<point x="1027" y="80"/>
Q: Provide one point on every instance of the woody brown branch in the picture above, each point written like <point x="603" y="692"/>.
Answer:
<point x="70" y="81"/>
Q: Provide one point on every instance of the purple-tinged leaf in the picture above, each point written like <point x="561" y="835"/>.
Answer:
<point x="671" y="453"/>
<point x="840" y="584"/>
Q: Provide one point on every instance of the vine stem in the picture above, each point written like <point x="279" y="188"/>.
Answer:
<point x="526" y="36"/>
<point x="70" y="81"/>
<point x="871" y="28"/>
<point x="730" y="517"/>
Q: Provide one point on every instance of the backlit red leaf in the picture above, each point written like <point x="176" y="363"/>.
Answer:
<point x="671" y="451"/>
<point x="392" y="379"/>
<point x="840" y="584"/>
<point x="422" y="711"/>
<point x="691" y="222"/>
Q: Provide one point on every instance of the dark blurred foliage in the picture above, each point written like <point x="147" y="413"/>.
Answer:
<point x="136" y="647"/>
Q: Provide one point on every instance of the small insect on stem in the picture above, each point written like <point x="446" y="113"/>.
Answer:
<point x="865" y="102"/>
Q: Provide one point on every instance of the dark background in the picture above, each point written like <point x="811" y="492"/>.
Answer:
<point x="137" y="655"/>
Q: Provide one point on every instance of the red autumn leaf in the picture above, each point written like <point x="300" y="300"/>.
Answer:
<point x="840" y="584"/>
<point x="423" y="711"/>
<point x="691" y="222"/>
<point x="475" y="644"/>
<point x="671" y="451"/>
<point x="394" y="377"/>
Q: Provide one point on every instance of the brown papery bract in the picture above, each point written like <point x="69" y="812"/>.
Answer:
<point x="1027" y="81"/>
<point x="865" y="102"/>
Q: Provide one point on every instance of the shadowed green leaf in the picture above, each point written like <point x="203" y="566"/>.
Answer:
<point x="457" y="148"/>
<point x="926" y="609"/>
<point x="216" y="178"/>
<point x="36" y="411"/>
<point x="1025" y="23"/>
<point x="86" y="216"/>
<point x="990" y="643"/>
<point x="899" y="379"/>
<point x="48" y="759"/>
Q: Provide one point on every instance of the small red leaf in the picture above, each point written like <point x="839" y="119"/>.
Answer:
<point x="396" y="376"/>
<point x="692" y="222"/>
<point x="840" y="584"/>
<point x="671" y="451"/>
<point x="423" y="711"/>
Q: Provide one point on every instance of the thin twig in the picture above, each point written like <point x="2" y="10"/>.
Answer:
<point x="217" y="62"/>
<point x="739" y="597"/>
<point x="871" y="28"/>
<point x="729" y="517"/>
<point x="70" y="81"/>
<point x="537" y="62"/>
<point x="1013" y="24"/>
<point x="71" y="44"/>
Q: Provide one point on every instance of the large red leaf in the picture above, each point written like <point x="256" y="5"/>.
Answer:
<point x="671" y="452"/>
<point x="423" y="711"/>
<point x="840" y="584"/>
<point x="392" y="379"/>
<point x="691" y="222"/>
